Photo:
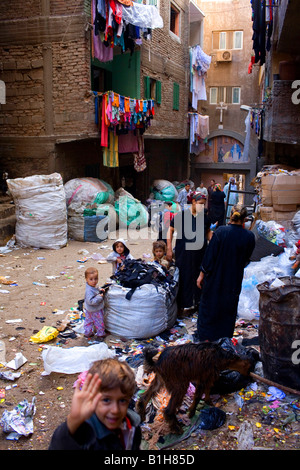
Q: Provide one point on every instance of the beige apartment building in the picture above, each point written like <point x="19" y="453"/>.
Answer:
<point x="231" y="90"/>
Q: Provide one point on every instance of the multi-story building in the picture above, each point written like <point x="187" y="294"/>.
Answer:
<point x="231" y="91"/>
<point x="51" y="75"/>
<point x="279" y="80"/>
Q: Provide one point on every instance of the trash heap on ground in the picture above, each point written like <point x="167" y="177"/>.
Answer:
<point x="270" y="290"/>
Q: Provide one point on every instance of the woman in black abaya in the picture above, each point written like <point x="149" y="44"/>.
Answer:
<point x="221" y="277"/>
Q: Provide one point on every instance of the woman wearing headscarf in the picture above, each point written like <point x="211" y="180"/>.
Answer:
<point x="221" y="277"/>
<point x="193" y="230"/>
<point x="217" y="205"/>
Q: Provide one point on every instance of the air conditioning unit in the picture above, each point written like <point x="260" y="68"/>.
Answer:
<point x="224" y="56"/>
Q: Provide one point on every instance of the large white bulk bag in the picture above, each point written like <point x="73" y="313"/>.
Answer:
<point x="150" y="311"/>
<point x="41" y="214"/>
<point x="90" y="206"/>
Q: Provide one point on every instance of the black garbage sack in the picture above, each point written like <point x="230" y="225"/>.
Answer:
<point x="231" y="380"/>
<point x="211" y="418"/>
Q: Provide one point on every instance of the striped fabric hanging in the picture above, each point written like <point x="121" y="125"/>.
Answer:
<point x="111" y="153"/>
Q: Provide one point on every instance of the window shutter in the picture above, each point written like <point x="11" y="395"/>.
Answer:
<point x="147" y="91"/>
<point x="176" y="96"/>
<point x="158" y="92"/>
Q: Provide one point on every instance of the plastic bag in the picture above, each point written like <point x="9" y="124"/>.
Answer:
<point x="164" y="190"/>
<point x="73" y="360"/>
<point x="130" y="211"/>
<point x="245" y="436"/>
<point x="144" y="16"/>
<point x="47" y="333"/>
<point x="90" y="209"/>
<point x="212" y="418"/>
<point x="19" y="421"/>
<point x="267" y="269"/>
<point x="231" y="380"/>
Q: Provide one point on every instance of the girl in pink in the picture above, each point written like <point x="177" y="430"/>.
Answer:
<point x="94" y="304"/>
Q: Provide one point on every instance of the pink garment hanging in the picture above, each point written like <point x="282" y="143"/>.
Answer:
<point x="128" y="143"/>
<point x="104" y="127"/>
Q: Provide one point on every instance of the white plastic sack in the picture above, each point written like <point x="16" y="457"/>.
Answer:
<point x="73" y="360"/>
<point x="41" y="215"/>
<point x="149" y="312"/>
<point x="267" y="269"/>
<point x="144" y="16"/>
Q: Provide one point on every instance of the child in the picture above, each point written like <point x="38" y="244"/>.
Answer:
<point x="165" y="218"/>
<point x="159" y="250"/>
<point x="99" y="418"/>
<point x="119" y="254"/>
<point x="93" y="305"/>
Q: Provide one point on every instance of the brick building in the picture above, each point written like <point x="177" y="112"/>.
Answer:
<point x="48" y="117"/>
<point x="279" y="81"/>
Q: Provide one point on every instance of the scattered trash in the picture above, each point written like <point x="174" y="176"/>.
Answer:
<point x="45" y="334"/>
<point x="17" y="362"/>
<point x="2" y="353"/>
<point x="73" y="360"/>
<point x="8" y="375"/>
<point x="245" y="436"/>
<point x="19" y="421"/>
<point x="211" y="418"/>
<point x="4" y="280"/>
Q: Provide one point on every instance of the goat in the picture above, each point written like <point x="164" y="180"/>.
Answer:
<point x="177" y="366"/>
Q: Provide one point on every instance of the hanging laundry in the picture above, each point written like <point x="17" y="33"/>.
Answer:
<point x="111" y="153"/>
<point x="259" y="30"/>
<point x="99" y="50"/>
<point x="145" y="16"/>
<point x="128" y="143"/>
<point x="139" y="158"/>
<point x="203" y="126"/>
<point x="199" y="65"/>
<point x="199" y="131"/>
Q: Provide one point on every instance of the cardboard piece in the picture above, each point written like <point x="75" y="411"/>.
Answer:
<point x="281" y="190"/>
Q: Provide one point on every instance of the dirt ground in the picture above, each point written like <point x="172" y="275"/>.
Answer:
<point x="274" y="423"/>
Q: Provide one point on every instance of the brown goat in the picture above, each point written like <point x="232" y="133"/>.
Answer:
<point x="177" y="366"/>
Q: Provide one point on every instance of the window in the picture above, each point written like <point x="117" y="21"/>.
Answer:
<point x="225" y="94"/>
<point x="236" y="91"/>
<point x="213" y="98"/>
<point x="174" y="19"/>
<point x="238" y="40"/>
<point x="153" y="2"/>
<point x="222" y="40"/>
<point x="227" y="39"/>
<point x="152" y="89"/>
<point x="176" y="96"/>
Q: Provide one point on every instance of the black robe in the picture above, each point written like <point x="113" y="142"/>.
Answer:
<point x="227" y="255"/>
<point x="217" y="207"/>
<point x="188" y="260"/>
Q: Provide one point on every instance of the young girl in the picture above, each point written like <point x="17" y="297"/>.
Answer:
<point x="94" y="305"/>
<point x="119" y="254"/>
<point x="99" y="418"/>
